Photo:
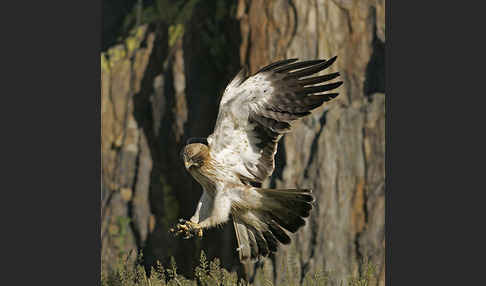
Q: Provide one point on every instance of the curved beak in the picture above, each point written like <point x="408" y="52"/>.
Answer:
<point x="187" y="164"/>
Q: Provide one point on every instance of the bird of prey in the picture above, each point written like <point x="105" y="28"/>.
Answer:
<point x="254" y="113"/>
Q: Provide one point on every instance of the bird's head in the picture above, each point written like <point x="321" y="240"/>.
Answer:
<point x="195" y="155"/>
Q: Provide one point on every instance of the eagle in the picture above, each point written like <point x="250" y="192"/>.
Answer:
<point x="254" y="113"/>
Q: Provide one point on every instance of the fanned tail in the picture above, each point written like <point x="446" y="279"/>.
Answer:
<point x="260" y="229"/>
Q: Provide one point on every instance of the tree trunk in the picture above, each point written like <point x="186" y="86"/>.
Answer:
<point x="339" y="150"/>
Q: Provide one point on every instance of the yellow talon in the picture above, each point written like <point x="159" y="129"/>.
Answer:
<point x="188" y="228"/>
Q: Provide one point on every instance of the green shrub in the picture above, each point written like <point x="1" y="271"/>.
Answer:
<point x="210" y="274"/>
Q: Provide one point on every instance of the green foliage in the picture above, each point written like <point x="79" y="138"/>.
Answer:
<point x="119" y="230"/>
<point x="214" y="34"/>
<point x="364" y="279"/>
<point x="213" y="26"/>
<point x="211" y="274"/>
<point x="172" y="12"/>
<point x="121" y="53"/>
<point x="121" y="20"/>
<point x="175" y="32"/>
<point x="177" y="13"/>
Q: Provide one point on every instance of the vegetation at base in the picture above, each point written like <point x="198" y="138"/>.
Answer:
<point x="209" y="273"/>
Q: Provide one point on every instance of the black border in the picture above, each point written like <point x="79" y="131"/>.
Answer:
<point x="429" y="144"/>
<point x="53" y="78"/>
<point x="387" y="144"/>
<point x="98" y="130"/>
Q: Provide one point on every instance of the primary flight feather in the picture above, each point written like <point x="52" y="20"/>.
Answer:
<point x="254" y="113"/>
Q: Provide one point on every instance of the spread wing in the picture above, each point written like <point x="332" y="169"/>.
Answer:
<point x="256" y="111"/>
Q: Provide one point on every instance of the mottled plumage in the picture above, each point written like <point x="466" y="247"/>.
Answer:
<point x="254" y="113"/>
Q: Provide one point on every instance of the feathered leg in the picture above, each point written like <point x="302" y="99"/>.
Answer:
<point x="210" y="211"/>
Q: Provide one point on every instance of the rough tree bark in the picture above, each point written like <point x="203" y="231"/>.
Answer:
<point x="126" y="158"/>
<point x="339" y="150"/>
<point x="160" y="88"/>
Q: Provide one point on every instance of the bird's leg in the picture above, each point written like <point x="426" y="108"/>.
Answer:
<point x="216" y="212"/>
<point x="188" y="228"/>
<point x="191" y="227"/>
<point x="210" y="212"/>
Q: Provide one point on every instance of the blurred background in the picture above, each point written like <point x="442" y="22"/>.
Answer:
<point x="164" y="67"/>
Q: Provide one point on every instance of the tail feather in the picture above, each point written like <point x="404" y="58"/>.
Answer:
<point x="286" y="219"/>
<point x="278" y="232"/>
<point x="250" y="241"/>
<point x="245" y="247"/>
<point x="287" y="207"/>
<point x="271" y="240"/>
<point x="260" y="230"/>
<point x="294" y="194"/>
<point x="253" y="245"/>
<point x="263" y="249"/>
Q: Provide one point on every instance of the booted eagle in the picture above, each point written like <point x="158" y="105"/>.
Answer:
<point x="254" y="113"/>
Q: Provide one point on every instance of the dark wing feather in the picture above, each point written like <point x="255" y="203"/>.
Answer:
<point x="256" y="111"/>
